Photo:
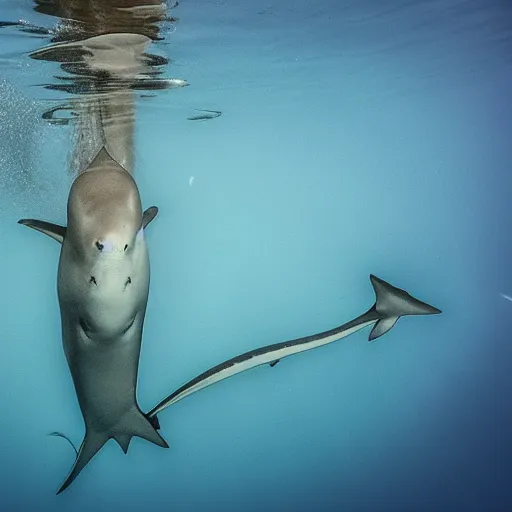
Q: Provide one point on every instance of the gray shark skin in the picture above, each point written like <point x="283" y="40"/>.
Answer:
<point x="103" y="287"/>
<point x="391" y="303"/>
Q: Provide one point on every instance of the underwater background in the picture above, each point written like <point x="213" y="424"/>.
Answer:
<point x="355" y="138"/>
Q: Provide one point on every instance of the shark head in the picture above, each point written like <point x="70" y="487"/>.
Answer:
<point x="103" y="280"/>
<point x="107" y="277"/>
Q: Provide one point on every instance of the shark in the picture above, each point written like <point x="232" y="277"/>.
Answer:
<point x="103" y="286"/>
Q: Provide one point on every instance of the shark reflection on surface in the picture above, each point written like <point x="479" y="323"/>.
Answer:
<point x="102" y="48"/>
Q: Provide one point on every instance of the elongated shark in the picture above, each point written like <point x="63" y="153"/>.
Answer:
<point x="391" y="303"/>
<point x="103" y="287"/>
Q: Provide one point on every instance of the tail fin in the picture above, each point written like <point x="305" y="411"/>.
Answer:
<point x="91" y="445"/>
<point x="133" y="423"/>
<point x="392" y="303"/>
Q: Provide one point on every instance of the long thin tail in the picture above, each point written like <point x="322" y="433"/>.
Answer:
<point x="134" y="423"/>
<point x="392" y="303"/>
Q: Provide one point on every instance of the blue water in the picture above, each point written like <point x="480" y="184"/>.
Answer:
<point x="356" y="138"/>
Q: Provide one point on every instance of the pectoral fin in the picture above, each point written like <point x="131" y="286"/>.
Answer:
<point x="52" y="230"/>
<point x="148" y="216"/>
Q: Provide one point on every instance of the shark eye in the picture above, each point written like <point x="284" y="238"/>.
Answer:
<point x="125" y="247"/>
<point x="93" y="280"/>
<point x="99" y="246"/>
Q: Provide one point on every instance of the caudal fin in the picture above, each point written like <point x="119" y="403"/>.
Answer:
<point x="133" y="423"/>
<point x="91" y="445"/>
<point x="392" y="303"/>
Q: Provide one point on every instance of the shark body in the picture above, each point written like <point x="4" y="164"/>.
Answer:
<point x="103" y="287"/>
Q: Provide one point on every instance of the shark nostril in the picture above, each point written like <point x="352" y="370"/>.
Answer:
<point x="128" y="281"/>
<point x="125" y="247"/>
<point x="99" y="246"/>
<point x="93" y="280"/>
